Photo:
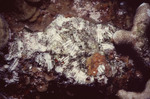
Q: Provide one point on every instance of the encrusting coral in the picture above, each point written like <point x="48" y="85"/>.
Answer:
<point x="137" y="37"/>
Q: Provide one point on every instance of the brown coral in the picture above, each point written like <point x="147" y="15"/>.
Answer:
<point x="94" y="62"/>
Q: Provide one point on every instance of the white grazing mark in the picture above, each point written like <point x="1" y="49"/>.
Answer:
<point x="44" y="59"/>
<point x="101" y="69"/>
<point x="143" y="4"/>
<point x="14" y="64"/>
<point x="106" y="46"/>
<point x="60" y="20"/>
<point x="148" y="12"/>
<point x="13" y="79"/>
<point x="31" y="42"/>
<point x="16" y="48"/>
<point x="59" y="69"/>
<point x="99" y="36"/>
<point x="78" y="75"/>
<point x="95" y="16"/>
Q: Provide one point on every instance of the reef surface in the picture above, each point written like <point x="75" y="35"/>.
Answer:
<point x="72" y="48"/>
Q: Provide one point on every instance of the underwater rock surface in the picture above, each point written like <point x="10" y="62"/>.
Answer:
<point x="72" y="50"/>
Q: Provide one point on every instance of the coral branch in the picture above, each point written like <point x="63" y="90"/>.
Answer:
<point x="133" y="95"/>
<point x="137" y="35"/>
<point x="139" y="40"/>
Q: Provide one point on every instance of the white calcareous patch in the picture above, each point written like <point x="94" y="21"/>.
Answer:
<point x="16" y="49"/>
<point x="59" y="69"/>
<point x="78" y="75"/>
<point x="106" y="46"/>
<point x="44" y="59"/>
<point x="14" y="77"/>
<point x="148" y="12"/>
<point x="64" y="47"/>
<point x="85" y="9"/>
<point x="101" y="69"/>
<point x="14" y="64"/>
<point x="143" y="4"/>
